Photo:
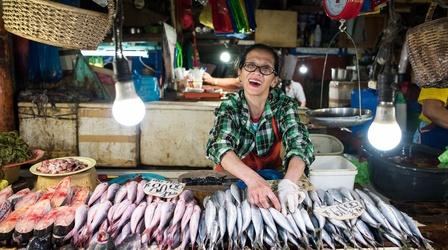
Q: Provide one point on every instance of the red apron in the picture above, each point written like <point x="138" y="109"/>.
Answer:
<point x="270" y="160"/>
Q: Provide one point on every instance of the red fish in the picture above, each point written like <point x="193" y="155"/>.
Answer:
<point x="62" y="192"/>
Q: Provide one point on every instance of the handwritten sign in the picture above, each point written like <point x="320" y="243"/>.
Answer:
<point x="163" y="189"/>
<point x="344" y="211"/>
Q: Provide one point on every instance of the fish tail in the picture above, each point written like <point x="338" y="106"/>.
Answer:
<point x="70" y="234"/>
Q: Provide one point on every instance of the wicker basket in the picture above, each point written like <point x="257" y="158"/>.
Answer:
<point x="57" y="24"/>
<point x="428" y="51"/>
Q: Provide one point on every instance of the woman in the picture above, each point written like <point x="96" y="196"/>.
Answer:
<point x="294" y="90"/>
<point x="250" y="127"/>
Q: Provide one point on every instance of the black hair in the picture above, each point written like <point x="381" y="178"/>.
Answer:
<point x="260" y="46"/>
<point x="285" y="83"/>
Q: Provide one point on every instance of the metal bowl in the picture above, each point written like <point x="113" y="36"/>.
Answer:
<point x="339" y="117"/>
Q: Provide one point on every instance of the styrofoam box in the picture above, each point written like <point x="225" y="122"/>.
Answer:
<point x="328" y="172"/>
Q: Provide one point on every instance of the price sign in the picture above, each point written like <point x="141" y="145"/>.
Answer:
<point x="344" y="211"/>
<point x="163" y="189"/>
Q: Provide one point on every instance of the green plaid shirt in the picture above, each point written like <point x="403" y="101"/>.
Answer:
<point x="232" y="129"/>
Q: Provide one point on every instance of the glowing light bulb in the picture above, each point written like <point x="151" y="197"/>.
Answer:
<point x="128" y="109"/>
<point x="303" y="69"/>
<point x="225" y="57"/>
<point x="384" y="132"/>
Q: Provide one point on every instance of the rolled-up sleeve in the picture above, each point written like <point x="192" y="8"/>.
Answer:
<point x="223" y="136"/>
<point x="295" y="136"/>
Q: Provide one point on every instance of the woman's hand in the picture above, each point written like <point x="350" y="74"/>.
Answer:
<point x="261" y="194"/>
<point x="207" y="78"/>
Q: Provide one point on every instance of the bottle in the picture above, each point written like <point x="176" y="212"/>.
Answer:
<point x="401" y="111"/>
<point x="317" y="36"/>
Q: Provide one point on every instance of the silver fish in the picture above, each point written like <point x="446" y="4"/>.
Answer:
<point x="307" y="201"/>
<point x="403" y="225"/>
<point x="393" y="239"/>
<point x="293" y="225"/>
<point x="327" y="238"/>
<point x="235" y="190"/>
<point x="214" y="233"/>
<point x="346" y="193"/>
<point x="321" y="195"/>
<point x="359" y="237"/>
<point x="251" y="234"/>
<point x="246" y="214"/>
<point x="222" y="215"/>
<point x="131" y="191"/>
<point x="320" y="219"/>
<point x="307" y="220"/>
<point x="221" y="198"/>
<point x="412" y="226"/>
<point x="268" y="220"/>
<point x="231" y="217"/>
<point x="297" y="216"/>
<point x="293" y="240"/>
<point x="283" y="237"/>
<point x="239" y="220"/>
<point x="269" y="241"/>
<point x="365" y="231"/>
<point x="257" y="221"/>
<point x="138" y="213"/>
<point x="202" y="231"/>
<point x="140" y="191"/>
<point x="364" y="196"/>
<point x="387" y="211"/>
<point x="273" y="235"/>
<point x="337" y="196"/>
<point x="210" y="216"/>
<point x="315" y="198"/>
<point x="99" y="190"/>
<point x="280" y="219"/>
<point x="365" y="216"/>
<point x="329" y="199"/>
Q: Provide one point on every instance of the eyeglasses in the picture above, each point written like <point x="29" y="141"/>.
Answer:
<point x="264" y="69"/>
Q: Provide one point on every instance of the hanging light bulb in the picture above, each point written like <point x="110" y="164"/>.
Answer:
<point x="303" y="69"/>
<point x="384" y="133"/>
<point x="128" y="109"/>
<point x="225" y="57"/>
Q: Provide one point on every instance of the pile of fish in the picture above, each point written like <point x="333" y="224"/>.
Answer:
<point x="26" y="214"/>
<point x="230" y="221"/>
<point x="112" y="217"/>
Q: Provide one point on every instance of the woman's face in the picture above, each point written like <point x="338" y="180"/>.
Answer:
<point x="256" y="83"/>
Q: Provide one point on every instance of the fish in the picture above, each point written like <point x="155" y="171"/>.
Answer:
<point x="187" y="196"/>
<point x="336" y="194"/>
<point x="112" y="190"/>
<point x="257" y="221"/>
<point x="146" y="235"/>
<point x="113" y="230"/>
<point x="315" y="198"/>
<point x="327" y="238"/>
<point x="65" y="221"/>
<point x="167" y="213"/>
<point x="194" y="223"/>
<point x="280" y="219"/>
<point x="414" y="229"/>
<point x="201" y="231"/>
<point x="138" y="213"/>
<point x="140" y="191"/>
<point x="40" y="243"/>
<point x="210" y="217"/>
<point x="8" y="224"/>
<point x="80" y="220"/>
<point x="307" y="220"/>
<point x="29" y="199"/>
<point x="6" y="193"/>
<point x="246" y="214"/>
<point x="24" y="228"/>
<point x="125" y="232"/>
<point x="251" y="234"/>
<point x="389" y="214"/>
<point x="179" y="211"/>
<point x="98" y="192"/>
<point x="17" y="196"/>
<point x="131" y="191"/>
<point x="220" y="198"/>
<point x="293" y="225"/>
<point x="119" y="210"/>
<point x="222" y="222"/>
<point x="239" y="220"/>
<point x="110" y="213"/>
<point x="231" y="219"/>
<point x="235" y="191"/>
<point x="62" y="193"/>
<point x="268" y="219"/>
<point x="307" y="201"/>
<point x="149" y="213"/>
<point x="98" y="217"/>
<point x="185" y="238"/>
<point x="120" y="194"/>
<point x="401" y="220"/>
<point x="80" y="196"/>
<point x="5" y="209"/>
<point x="187" y="215"/>
<point x="149" y="199"/>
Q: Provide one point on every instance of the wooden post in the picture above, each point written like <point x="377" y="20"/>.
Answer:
<point x="7" y="121"/>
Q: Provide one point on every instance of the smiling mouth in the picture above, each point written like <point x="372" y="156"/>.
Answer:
<point x="255" y="83"/>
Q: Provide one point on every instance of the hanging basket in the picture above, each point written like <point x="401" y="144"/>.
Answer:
<point x="428" y="51"/>
<point x="57" y="24"/>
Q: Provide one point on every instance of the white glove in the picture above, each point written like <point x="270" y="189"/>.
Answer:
<point x="290" y="196"/>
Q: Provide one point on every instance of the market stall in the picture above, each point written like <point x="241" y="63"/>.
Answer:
<point x="125" y="125"/>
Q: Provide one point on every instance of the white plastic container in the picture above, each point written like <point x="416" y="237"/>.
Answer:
<point x="326" y="144"/>
<point x="328" y="172"/>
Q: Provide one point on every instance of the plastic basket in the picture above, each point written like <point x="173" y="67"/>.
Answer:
<point x="57" y="24"/>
